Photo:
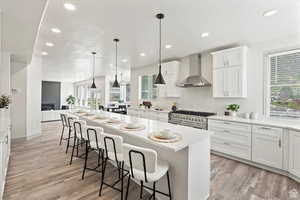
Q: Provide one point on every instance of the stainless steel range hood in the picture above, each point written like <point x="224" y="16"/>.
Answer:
<point x="195" y="78"/>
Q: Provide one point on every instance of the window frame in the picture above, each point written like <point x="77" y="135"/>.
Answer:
<point x="267" y="80"/>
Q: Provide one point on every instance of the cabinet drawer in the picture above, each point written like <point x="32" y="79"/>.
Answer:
<point x="267" y="130"/>
<point x="225" y="125"/>
<point x="239" y="137"/>
<point x="228" y="147"/>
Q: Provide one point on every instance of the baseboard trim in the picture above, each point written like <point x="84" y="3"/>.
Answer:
<point x="33" y="136"/>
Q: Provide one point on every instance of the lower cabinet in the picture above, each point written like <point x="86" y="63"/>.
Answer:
<point x="149" y="114"/>
<point x="4" y="157"/>
<point x="267" y="146"/>
<point x="294" y="150"/>
<point x="51" y="115"/>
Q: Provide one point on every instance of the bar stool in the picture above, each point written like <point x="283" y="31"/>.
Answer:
<point x="64" y="122"/>
<point x="92" y="143"/>
<point x="145" y="167"/>
<point x="67" y="125"/>
<point x="113" y="152"/>
<point x="79" y="140"/>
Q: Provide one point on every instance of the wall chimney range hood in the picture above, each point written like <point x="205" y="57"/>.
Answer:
<point x="195" y="78"/>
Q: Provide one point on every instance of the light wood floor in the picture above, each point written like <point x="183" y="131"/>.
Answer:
<point x="39" y="170"/>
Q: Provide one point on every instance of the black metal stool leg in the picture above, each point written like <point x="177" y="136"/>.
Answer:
<point x="154" y="189"/>
<point x="122" y="179"/>
<point x="127" y="190"/>
<point x="68" y="143"/>
<point x="103" y="175"/>
<point x="86" y="158"/>
<point x="169" y="185"/>
<point x="142" y="187"/>
<point x="62" y="134"/>
<point x="75" y="139"/>
<point x="77" y="146"/>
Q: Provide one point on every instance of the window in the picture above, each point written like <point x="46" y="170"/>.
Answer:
<point x="148" y="90"/>
<point x="121" y="94"/>
<point x="114" y="94"/>
<point x="284" y="84"/>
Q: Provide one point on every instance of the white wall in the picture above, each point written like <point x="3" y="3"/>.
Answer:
<point x="5" y="73"/>
<point x="67" y="89"/>
<point x="201" y="98"/>
<point x="18" y="106"/>
<point x="33" y="97"/>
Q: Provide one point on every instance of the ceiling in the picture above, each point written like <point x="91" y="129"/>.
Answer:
<point x="95" y="23"/>
<point x="20" y="25"/>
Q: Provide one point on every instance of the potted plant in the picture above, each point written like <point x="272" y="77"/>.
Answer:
<point x="233" y="108"/>
<point x="4" y="102"/>
<point x="70" y="100"/>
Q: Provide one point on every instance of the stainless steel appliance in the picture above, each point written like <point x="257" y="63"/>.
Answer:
<point x="190" y="118"/>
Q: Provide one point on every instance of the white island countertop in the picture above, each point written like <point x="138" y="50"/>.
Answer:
<point x="189" y="158"/>
<point x="279" y="123"/>
<point x="189" y="135"/>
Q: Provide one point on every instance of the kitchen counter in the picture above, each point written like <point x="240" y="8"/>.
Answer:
<point x="189" y="158"/>
<point x="151" y="109"/>
<point x="279" y="123"/>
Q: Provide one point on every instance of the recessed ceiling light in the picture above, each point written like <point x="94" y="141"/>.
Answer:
<point x="55" y="30"/>
<point x="111" y="65"/>
<point x="205" y="34"/>
<point x="49" y="44"/>
<point x="168" y="46"/>
<point x="142" y="54"/>
<point x="69" y="6"/>
<point x="124" y="60"/>
<point x="44" y="53"/>
<point x="270" y="13"/>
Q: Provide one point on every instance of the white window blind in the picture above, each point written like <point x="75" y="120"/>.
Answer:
<point x="285" y="84"/>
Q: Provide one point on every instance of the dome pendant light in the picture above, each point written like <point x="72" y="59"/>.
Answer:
<point x="93" y="84"/>
<point x="116" y="84"/>
<point x="159" y="79"/>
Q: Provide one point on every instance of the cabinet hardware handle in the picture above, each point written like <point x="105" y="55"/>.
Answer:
<point x="226" y="143"/>
<point x="266" y="128"/>
<point x="226" y="131"/>
<point x="279" y="143"/>
<point x="226" y="123"/>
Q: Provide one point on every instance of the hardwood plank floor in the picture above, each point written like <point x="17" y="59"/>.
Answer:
<point x="39" y="170"/>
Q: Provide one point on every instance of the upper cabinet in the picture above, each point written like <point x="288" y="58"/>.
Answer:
<point x="170" y="73"/>
<point x="229" y="73"/>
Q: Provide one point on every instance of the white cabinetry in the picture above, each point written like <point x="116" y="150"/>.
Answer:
<point x="170" y="73"/>
<point x="148" y="114"/>
<point x="51" y="115"/>
<point x="4" y="146"/>
<point x="267" y="146"/>
<point x="231" y="138"/>
<point x="294" y="149"/>
<point x="229" y="73"/>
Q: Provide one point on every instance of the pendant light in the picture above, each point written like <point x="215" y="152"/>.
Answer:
<point x="93" y="84"/>
<point x="116" y="84"/>
<point x="159" y="79"/>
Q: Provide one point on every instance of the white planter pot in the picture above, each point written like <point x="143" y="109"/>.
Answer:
<point x="233" y="114"/>
<point x="2" y="113"/>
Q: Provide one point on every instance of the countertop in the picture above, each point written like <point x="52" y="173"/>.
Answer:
<point x="189" y="135"/>
<point x="151" y="109"/>
<point x="279" y="123"/>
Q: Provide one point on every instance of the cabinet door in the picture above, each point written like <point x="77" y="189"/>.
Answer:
<point x="218" y="82"/>
<point x="233" y="83"/>
<point x="234" y="57"/>
<point x="171" y="90"/>
<point x="294" y="149"/>
<point x="267" y="146"/>
<point x="218" y="60"/>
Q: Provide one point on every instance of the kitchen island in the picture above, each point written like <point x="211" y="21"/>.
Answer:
<point x="189" y="158"/>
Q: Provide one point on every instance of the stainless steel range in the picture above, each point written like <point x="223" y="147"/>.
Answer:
<point x="190" y="118"/>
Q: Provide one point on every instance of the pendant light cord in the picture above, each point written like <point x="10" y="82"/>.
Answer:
<point x="93" y="66"/>
<point x="116" y="58"/>
<point x="159" y="45"/>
